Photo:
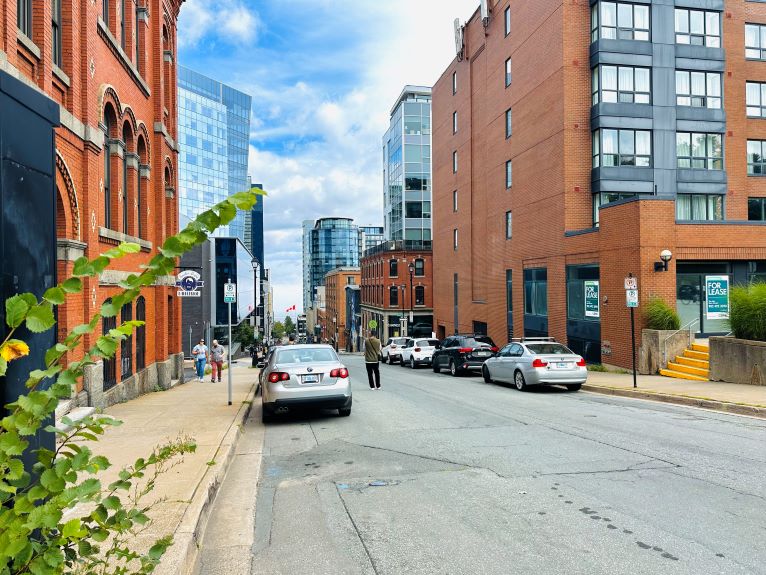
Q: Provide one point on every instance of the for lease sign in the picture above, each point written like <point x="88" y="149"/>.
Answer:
<point x="717" y="291"/>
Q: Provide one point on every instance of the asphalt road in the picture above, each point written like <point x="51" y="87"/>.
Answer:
<point x="442" y="475"/>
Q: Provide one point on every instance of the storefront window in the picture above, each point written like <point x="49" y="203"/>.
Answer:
<point x="536" y="291"/>
<point x="583" y="293"/>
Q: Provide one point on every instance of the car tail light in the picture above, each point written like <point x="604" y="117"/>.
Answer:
<point x="276" y="376"/>
<point x="465" y="349"/>
<point x="417" y="349"/>
<point x="495" y="349"/>
<point x="581" y="362"/>
<point x="539" y="363"/>
<point x="341" y="373"/>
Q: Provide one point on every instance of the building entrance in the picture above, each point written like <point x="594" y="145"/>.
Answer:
<point x="694" y="306"/>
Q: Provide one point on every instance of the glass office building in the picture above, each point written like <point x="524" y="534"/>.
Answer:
<point x="407" y="168"/>
<point x="214" y="133"/>
<point x="369" y="237"/>
<point x="330" y="243"/>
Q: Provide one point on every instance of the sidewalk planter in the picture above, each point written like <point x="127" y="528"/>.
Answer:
<point x="737" y="360"/>
<point x="650" y="359"/>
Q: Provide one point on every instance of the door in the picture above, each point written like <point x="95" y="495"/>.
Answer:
<point x="514" y="356"/>
<point x="694" y="306"/>
<point x="500" y="367"/>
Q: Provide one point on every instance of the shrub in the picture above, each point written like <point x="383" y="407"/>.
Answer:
<point x="748" y="312"/>
<point x="659" y="315"/>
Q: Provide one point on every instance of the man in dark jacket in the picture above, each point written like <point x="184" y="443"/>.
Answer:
<point x="371" y="359"/>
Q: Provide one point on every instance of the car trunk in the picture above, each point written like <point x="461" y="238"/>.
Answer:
<point x="302" y="375"/>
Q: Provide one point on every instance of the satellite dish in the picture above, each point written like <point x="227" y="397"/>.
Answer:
<point x="458" y="38"/>
<point x="484" y="13"/>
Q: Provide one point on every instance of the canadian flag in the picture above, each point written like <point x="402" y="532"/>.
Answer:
<point x="291" y="308"/>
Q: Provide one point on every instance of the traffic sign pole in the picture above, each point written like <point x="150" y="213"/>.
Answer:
<point x="631" y="300"/>
<point x="229" y="296"/>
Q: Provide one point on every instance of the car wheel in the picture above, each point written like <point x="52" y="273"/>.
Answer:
<point x="453" y="368"/>
<point x="435" y="366"/>
<point x="574" y="386"/>
<point x="344" y="411"/>
<point x="485" y="374"/>
<point x="413" y="365"/>
<point x="401" y="362"/>
<point x="384" y="359"/>
<point x="519" y="381"/>
<point x="267" y="416"/>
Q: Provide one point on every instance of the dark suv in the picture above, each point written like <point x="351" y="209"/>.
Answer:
<point x="463" y="352"/>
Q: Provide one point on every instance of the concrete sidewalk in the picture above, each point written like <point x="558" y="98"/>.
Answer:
<point x="728" y="397"/>
<point x="196" y="409"/>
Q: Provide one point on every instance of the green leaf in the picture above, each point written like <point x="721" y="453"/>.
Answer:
<point x="129" y="248"/>
<point x="36" y="493"/>
<point x="11" y="444"/>
<point x="54" y="353"/>
<point x="15" y="311"/>
<point x="173" y="247"/>
<point x="109" y="309"/>
<point x="245" y="200"/>
<point x="209" y="219"/>
<point x="82" y="329"/>
<point x="15" y="469"/>
<point x="3" y="366"/>
<point x="73" y="529"/>
<point x="227" y="212"/>
<point x="106" y="346"/>
<point x="100" y="264"/>
<point x="112" y="503"/>
<point x="40" y="318"/>
<point x="55" y="295"/>
<point x="52" y="482"/>
<point x="72" y="285"/>
<point x="82" y="268"/>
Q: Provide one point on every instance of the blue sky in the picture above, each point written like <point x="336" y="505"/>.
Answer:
<point x="323" y="75"/>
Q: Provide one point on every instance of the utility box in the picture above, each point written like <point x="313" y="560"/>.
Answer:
<point x="27" y="221"/>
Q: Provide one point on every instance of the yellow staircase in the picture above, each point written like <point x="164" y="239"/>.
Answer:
<point x="693" y="365"/>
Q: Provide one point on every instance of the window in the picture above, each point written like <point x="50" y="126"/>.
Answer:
<point x="508" y="225"/>
<point x="603" y="199"/>
<point x="454" y="122"/>
<point x="698" y="28"/>
<point x="123" y="33"/>
<point x="619" y="21"/>
<point x="454" y="201"/>
<point x="622" y="148"/>
<point x="420" y="295"/>
<point x="583" y="281"/>
<point x="508" y="124"/>
<point x="140" y="334"/>
<point x="105" y="11"/>
<point x="755" y="41"/>
<point x="420" y="267"/>
<point x="350" y="280"/>
<point x="698" y="89"/>
<point x="699" y="151"/>
<point x="699" y="207"/>
<point x="24" y="17"/>
<point x="508" y="174"/>
<point x="125" y="228"/>
<point x="393" y="268"/>
<point x="536" y="292"/>
<point x="454" y="83"/>
<point x="507" y="72"/>
<point x="454" y="162"/>
<point x="454" y="239"/>
<point x="56" y="32"/>
<point x="393" y="296"/>
<point x="756" y="165"/>
<point x="109" y="365"/>
<point x="126" y="345"/>
<point x="621" y="84"/>
<point x="756" y="209"/>
<point x="107" y="174"/>
<point x="756" y="99"/>
<point x="507" y="19"/>
<point x="137" y="40"/>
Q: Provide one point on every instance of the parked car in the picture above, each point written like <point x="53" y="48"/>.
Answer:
<point x="305" y="375"/>
<point x="419" y="352"/>
<point x="536" y="361"/>
<point x="463" y="352"/>
<point x="392" y="351"/>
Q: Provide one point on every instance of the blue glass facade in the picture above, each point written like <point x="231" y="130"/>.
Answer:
<point x="213" y="132"/>
<point x="331" y="243"/>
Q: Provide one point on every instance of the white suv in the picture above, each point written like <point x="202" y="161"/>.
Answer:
<point x="419" y="352"/>
<point x="392" y="351"/>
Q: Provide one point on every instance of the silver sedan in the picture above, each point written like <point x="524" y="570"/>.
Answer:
<point x="305" y="375"/>
<point x="536" y="362"/>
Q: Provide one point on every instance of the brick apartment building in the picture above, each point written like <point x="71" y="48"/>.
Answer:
<point x="392" y="292"/>
<point x="335" y="282"/>
<point x="573" y="142"/>
<point x="110" y="65"/>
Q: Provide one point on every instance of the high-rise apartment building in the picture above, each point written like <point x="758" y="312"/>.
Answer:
<point x="407" y="168"/>
<point x="328" y="243"/>
<point x="576" y="141"/>
<point x="369" y="237"/>
<point x="214" y="134"/>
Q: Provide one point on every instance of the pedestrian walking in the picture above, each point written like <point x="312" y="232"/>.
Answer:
<point x="200" y="358"/>
<point x="372" y="359"/>
<point x="217" y="353"/>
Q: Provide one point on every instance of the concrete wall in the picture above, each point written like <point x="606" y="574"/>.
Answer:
<point x="737" y="360"/>
<point x="650" y="356"/>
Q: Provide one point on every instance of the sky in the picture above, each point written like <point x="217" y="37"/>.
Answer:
<point x="323" y="75"/>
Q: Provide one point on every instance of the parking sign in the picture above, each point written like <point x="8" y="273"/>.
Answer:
<point x="229" y="293"/>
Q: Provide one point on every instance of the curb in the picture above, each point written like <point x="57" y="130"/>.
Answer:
<point x="722" y="406"/>
<point x="181" y="557"/>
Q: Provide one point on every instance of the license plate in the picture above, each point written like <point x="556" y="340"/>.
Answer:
<point x="563" y="366"/>
<point x="482" y="353"/>
<point x="310" y="379"/>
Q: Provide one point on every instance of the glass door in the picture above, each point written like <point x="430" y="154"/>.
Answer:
<point x="692" y="301"/>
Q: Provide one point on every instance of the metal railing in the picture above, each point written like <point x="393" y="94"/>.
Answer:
<point x="398" y="246"/>
<point x="683" y="328"/>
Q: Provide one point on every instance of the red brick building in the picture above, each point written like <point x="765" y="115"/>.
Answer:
<point x="573" y="142"/>
<point x="335" y="282"/>
<point x="110" y="64"/>
<point x="392" y="291"/>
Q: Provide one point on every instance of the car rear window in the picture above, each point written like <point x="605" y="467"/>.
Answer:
<point x="479" y="340"/>
<point x="400" y="340"/>
<point x="549" y="348"/>
<point x="306" y="355"/>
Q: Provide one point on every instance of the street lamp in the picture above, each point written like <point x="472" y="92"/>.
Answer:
<point x="403" y="289"/>
<point x="255" y="264"/>
<point x="411" y="267"/>
<point x="335" y="329"/>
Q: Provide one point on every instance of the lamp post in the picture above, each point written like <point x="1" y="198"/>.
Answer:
<point x="335" y="329"/>
<point x="403" y="289"/>
<point x="255" y="263"/>
<point x="411" y="268"/>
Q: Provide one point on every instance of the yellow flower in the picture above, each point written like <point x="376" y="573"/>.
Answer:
<point x="14" y="349"/>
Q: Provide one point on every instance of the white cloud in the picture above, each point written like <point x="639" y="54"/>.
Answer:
<point x="230" y="21"/>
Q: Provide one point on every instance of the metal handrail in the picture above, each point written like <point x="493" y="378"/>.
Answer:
<point x="665" y="341"/>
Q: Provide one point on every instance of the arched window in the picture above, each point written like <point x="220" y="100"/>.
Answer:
<point x="143" y="160"/>
<point x="127" y="136"/>
<point x="393" y="296"/>
<point x="420" y="295"/>
<point x="110" y="121"/>
<point x="140" y="334"/>
<point x="110" y="365"/>
<point x="126" y="346"/>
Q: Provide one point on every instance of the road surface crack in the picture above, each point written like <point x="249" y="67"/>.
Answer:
<point x="358" y="533"/>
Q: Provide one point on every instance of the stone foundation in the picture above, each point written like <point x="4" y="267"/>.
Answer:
<point x="155" y="377"/>
<point x="177" y="372"/>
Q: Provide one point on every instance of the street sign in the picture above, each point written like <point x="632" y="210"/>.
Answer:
<point x="229" y="293"/>
<point x="631" y="283"/>
<point x="631" y="298"/>
<point x="373" y="324"/>
<point x="717" y="291"/>
<point x="188" y="281"/>
<point x="591" y="299"/>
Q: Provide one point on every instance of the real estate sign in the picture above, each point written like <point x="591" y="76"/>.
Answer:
<point x="591" y="299"/>
<point x="717" y="291"/>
